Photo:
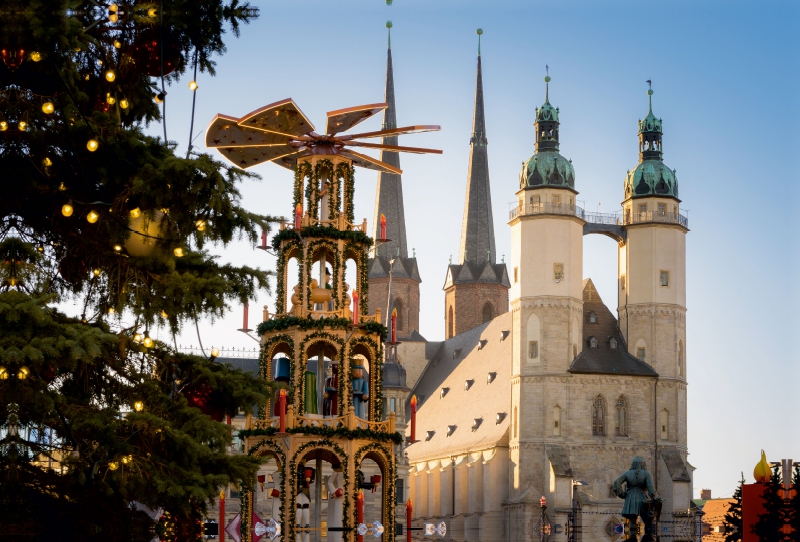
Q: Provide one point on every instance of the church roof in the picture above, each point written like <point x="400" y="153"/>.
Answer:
<point x="403" y="267"/>
<point x="477" y="226"/>
<point x="389" y="192"/>
<point x="471" y="412"/>
<point x="603" y="359"/>
<point x="483" y="272"/>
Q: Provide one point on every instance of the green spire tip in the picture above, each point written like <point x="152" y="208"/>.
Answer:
<point x="479" y="32"/>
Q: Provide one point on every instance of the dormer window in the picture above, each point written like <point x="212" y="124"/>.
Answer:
<point x="451" y="429"/>
<point x="443" y="392"/>
<point x="490" y="377"/>
<point x="592" y="317"/>
<point x="613" y="343"/>
<point x="429" y="435"/>
<point x="592" y="342"/>
<point x="468" y="384"/>
<point x="482" y="343"/>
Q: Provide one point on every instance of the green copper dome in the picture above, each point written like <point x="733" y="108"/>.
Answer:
<point x="547" y="167"/>
<point x="651" y="177"/>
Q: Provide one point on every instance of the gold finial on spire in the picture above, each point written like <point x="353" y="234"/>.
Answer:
<point x="479" y="32"/>
<point x="547" y="83"/>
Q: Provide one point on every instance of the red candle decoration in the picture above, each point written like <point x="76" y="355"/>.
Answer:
<point x="261" y="480"/>
<point x="282" y="411"/>
<point x="413" y="419"/>
<point x="409" y="509"/>
<point x="307" y="473"/>
<point x="383" y="226"/>
<point x="246" y="314"/>
<point x="355" y="308"/>
<point x="298" y="214"/>
<point x="222" y="515"/>
<point x="360" y="509"/>
<point x="264" y="239"/>
<point x="394" y="326"/>
<point x="542" y="502"/>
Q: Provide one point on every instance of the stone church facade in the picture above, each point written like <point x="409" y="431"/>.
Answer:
<point x="539" y="390"/>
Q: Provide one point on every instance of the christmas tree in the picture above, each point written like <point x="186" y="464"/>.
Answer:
<point x="770" y="525"/>
<point x="100" y="423"/>
<point x="733" y="518"/>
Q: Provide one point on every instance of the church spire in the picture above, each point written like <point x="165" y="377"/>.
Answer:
<point x="477" y="227"/>
<point x="389" y="194"/>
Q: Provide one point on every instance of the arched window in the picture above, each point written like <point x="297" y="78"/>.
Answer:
<point x="592" y="342"/>
<point x="680" y="358"/>
<point x="398" y="306"/>
<point x="450" y="323"/>
<point x="592" y="318"/>
<point x="488" y="313"/>
<point x="613" y="343"/>
<point x="556" y="421"/>
<point x="392" y="404"/>
<point x="599" y="416"/>
<point x="621" y="417"/>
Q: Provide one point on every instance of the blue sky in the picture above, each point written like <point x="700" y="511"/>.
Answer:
<point x="725" y="76"/>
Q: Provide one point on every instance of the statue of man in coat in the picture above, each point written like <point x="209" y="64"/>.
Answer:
<point x="641" y="499"/>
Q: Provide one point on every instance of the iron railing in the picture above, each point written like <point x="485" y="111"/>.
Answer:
<point x="659" y="216"/>
<point x="548" y="208"/>
<point x="599" y="218"/>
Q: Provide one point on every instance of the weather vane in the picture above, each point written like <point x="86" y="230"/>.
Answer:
<point x="649" y="83"/>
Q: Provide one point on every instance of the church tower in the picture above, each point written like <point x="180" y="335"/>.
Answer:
<point x="392" y="257"/>
<point x="652" y="277"/>
<point x="476" y="289"/>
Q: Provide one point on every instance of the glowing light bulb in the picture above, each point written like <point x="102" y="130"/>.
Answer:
<point x="164" y="314"/>
<point x="117" y="44"/>
<point x="46" y="162"/>
<point x="113" y="465"/>
<point x="214" y="352"/>
<point x="200" y="225"/>
<point x="67" y="209"/>
<point x="148" y="342"/>
<point x="138" y="406"/>
<point x="23" y="373"/>
<point x="111" y="310"/>
<point x="117" y="248"/>
<point x="192" y="85"/>
<point x="92" y="217"/>
<point x="3" y="126"/>
<point x="138" y="338"/>
<point x="110" y="76"/>
<point x="22" y="126"/>
<point x="92" y="145"/>
<point x="36" y="56"/>
<point x="152" y="12"/>
<point x="123" y="103"/>
<point x="3" y="373"/>
<point x="113" y="17"/>
<point x="96" y="271"/>
<point x="48" y="108"/>
<point x="135" y="213"/>
<point x="62" y="187"/>
<point x="110" y="100"/>
<point x="178" y="252"/>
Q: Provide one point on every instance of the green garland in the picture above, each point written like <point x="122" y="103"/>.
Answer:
<point x="265" y="360"/>
<point x="283" y="252"/>
<point x="312" y="193"/>
<point x="345" y="172"/>
<point x="325" y="336"/>
<point x="281" y="468"/>
<point x="301" y="172"/>
<point x="310" y="248"/>
<point x="342" y="455"/>
<point x="352" y="236"/>
<point x="305" y="324"/>
<point x="334" y="193"/>
<point x="390" y="487"/>
<point x="362" y="265"/>
<point x="327" y="431"/>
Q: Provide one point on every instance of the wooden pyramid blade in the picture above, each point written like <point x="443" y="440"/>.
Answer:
<point x="397" y="148"/>
<point x="394" y="132"/>
<point x="342" y="120"/>
<point x="225" y="132"/>
<point x="368" y="162"/>
<point x="283" y="117"/>
<point x="247" y="157"/>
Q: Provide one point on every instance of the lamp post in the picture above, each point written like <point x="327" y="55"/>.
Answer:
<point x="572" y="533"/>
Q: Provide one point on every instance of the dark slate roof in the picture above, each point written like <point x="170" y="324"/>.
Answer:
<point x="248" y="365"/>
<point x="415" y="337"/>
<point x="389" y="192"/>
<point x="604" y="359"/>
<point x="559" y="459"/>
<point x="403" y="267"/>
<point x="394" y="376"/>
<point x="477" y="226"/>
<point x="457" y="361"/>
<point x="471" y="272"/>
<point x="675" y="465"/>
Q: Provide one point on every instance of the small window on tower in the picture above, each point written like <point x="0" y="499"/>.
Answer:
<point x="533" y="349"/>
<point x="593" y="342"/>
<point x="392" y="404"/>
<point x="675" y="209"/>
<point x="592" y="317"/>
<point x="665" y="278"/>
<point x="613" y="343"/>
<point x="558" y="272"/>
<point x="640" y="353"/>
<point x="643" y="208"/>
<point x="556" y="200"/>
<point x="571" y="202"/>
<point x="622" y="282"/>
<point x="662" y="208"/>
<point x="628" y="215"/>
<point x="516" y="274"/>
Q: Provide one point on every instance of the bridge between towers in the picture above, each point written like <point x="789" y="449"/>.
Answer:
<point x="608" y="224"/>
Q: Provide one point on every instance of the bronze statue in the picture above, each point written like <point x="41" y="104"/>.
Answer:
<point x="641" y="499"/>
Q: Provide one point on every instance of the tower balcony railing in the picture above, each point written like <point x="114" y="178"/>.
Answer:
<point x="658" y="216"/>
<point x="546" y="208"/>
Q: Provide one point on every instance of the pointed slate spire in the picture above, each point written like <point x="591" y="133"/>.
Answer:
<point x="477" y="227"/>
<point x="389" y="193"/>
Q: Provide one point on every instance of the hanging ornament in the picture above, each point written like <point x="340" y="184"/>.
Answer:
<point x="92" y="145"/>
<point x="92" y="217"/>
<point x="110" y="76"/>
<point x="48" y="108"/>
<point x="67" y="209"/>
<point x="147" y="52"/>
<point x="123" y="103"/>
